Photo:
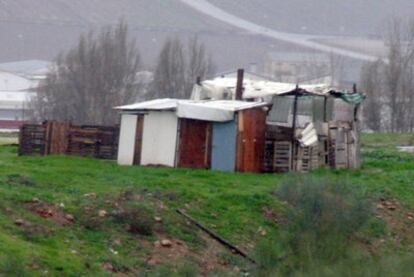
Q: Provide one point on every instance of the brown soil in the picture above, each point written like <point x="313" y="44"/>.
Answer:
<point x="208" y="259"/>
<point x="399" y="218"/>
<point x="51" y="212"/>
<point x="271" y="215"/>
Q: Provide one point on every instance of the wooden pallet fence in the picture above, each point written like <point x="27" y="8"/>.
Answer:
<point x="32" y="138"/>
<point x="56" y="138"/>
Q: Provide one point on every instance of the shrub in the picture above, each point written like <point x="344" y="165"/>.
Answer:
<point x="138" y="218"/>
<point x="324" y="215"/>
<point x="12" y="266"/>
<point x="322" y="218"/>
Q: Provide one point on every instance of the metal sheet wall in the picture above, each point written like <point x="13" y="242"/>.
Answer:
<point x="195" y="144"/>
<point x="224" y="146"/>
<point x="126" y="148"/>
<point x="159" y="138"/>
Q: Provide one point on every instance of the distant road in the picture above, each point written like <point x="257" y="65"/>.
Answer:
<point x="207" y="8"/>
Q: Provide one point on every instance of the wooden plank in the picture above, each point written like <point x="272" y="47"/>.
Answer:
<point x="138" y="140"/>
<point x="251" y="140"/>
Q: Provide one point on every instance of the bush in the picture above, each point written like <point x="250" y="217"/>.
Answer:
<point x="12" y="266"/>
<point x="138" y="218"/>
<point x="324" y="215"/>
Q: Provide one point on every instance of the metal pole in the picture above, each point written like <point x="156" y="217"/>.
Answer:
<point x="295" y="108"/>
<point x="239" y="86"/>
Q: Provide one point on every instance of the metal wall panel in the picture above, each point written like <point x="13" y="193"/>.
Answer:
<point x="195" y="144"/>
<point x="224" y="146"/>
<point x="159" y="138"/>
<point x="126" y="148"/>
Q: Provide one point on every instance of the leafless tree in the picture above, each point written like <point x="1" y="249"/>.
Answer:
<point x="199" y="63"/>
<point x="178" y="68"/>
<point x="169" y="75"/>
<point x="391" y="82"/>
<point x="371" y="84"/>
<point x="90" y="79"/>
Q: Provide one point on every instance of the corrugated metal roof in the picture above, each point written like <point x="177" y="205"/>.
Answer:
<point x="219" y="111"/>
<point x="156" y="105"/>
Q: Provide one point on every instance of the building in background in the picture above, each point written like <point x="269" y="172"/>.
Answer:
<point x="297" y="67"/>
<point x="18" y="84"/>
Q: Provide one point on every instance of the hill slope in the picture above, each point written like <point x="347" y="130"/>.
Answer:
<point x="41" y="29"/>
<point x="333" y="17"/>
<point x="71" y="216"/>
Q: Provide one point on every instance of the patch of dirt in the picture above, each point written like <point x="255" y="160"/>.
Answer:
<point x="32" y="228"/>
<point x="271" y="215"/>
<point x="400" y="219"/>
<point x="114" y="269"/>
<point x="161" y="254"/>
<point x="51" y="212"/>
<point x="177" y="251"/>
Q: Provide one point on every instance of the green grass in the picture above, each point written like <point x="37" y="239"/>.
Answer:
<point x="229" y="204"/>
<point x="387" y="139"/>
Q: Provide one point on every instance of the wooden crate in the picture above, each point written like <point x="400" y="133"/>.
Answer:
<point x="282" y="156"/>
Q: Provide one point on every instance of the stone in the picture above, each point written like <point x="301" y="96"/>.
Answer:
<point x="19" y="222"/>
<point x="158" y="219"/>
<point x="90" y="195"/>
<point x="69" y="217"/>
<point x="35" y="200"/>
<point x="166" y="243"/>
<point x="102" y="213"/>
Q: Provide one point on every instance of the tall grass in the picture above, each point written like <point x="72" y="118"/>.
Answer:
<point x="323" y="216"/>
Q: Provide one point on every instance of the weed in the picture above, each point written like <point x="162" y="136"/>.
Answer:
<point x="138" y="218"/>
<point x="325" y="214"/>
<point x="17" y="179"/>
<point x="12" y="265"/>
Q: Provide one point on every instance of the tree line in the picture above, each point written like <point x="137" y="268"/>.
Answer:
<point x="102" y="70"/>
<point x="389" y="83"/>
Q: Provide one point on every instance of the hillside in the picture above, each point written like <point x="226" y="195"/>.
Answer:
<point x="69" y="216"/>
<point x="335" y="17"/>
<point x="41" y="29"/>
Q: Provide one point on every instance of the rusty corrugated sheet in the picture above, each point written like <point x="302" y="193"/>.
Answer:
<point x="195" y="144"/>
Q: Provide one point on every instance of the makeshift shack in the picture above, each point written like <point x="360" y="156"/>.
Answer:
<point x="307" y="130"/>
<point x="307" y="127"/>
<point x="148" y="133"/>
<point x="222" y="135"/>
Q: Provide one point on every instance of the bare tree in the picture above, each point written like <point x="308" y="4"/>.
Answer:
<point x="392" y="82"/>
<point x="90" y="79"/>
<point x="397" y="73"/>
<point x="371" y="84"/>
<point x="179" y="66"/>
<point x="199" y="65"/>
<point x="169" y="75"/>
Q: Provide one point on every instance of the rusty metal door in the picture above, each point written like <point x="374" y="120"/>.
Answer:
<point x="195" y="144"/>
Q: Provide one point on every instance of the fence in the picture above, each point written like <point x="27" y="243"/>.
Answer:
<point x="55" y="138"/>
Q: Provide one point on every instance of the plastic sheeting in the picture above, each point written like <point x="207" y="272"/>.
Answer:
<point x="308" y="137"/>
<point x="224" y="88"/>
<point x="218" y="111"/>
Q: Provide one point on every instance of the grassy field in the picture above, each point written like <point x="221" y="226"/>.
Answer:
<point x="71" y="216"/>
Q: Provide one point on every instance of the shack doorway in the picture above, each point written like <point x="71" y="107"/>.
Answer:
<point x="195" y="144"/>
<point x="224" y="146"/>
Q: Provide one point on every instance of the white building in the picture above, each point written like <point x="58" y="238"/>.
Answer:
<point x="18" y="83"/>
